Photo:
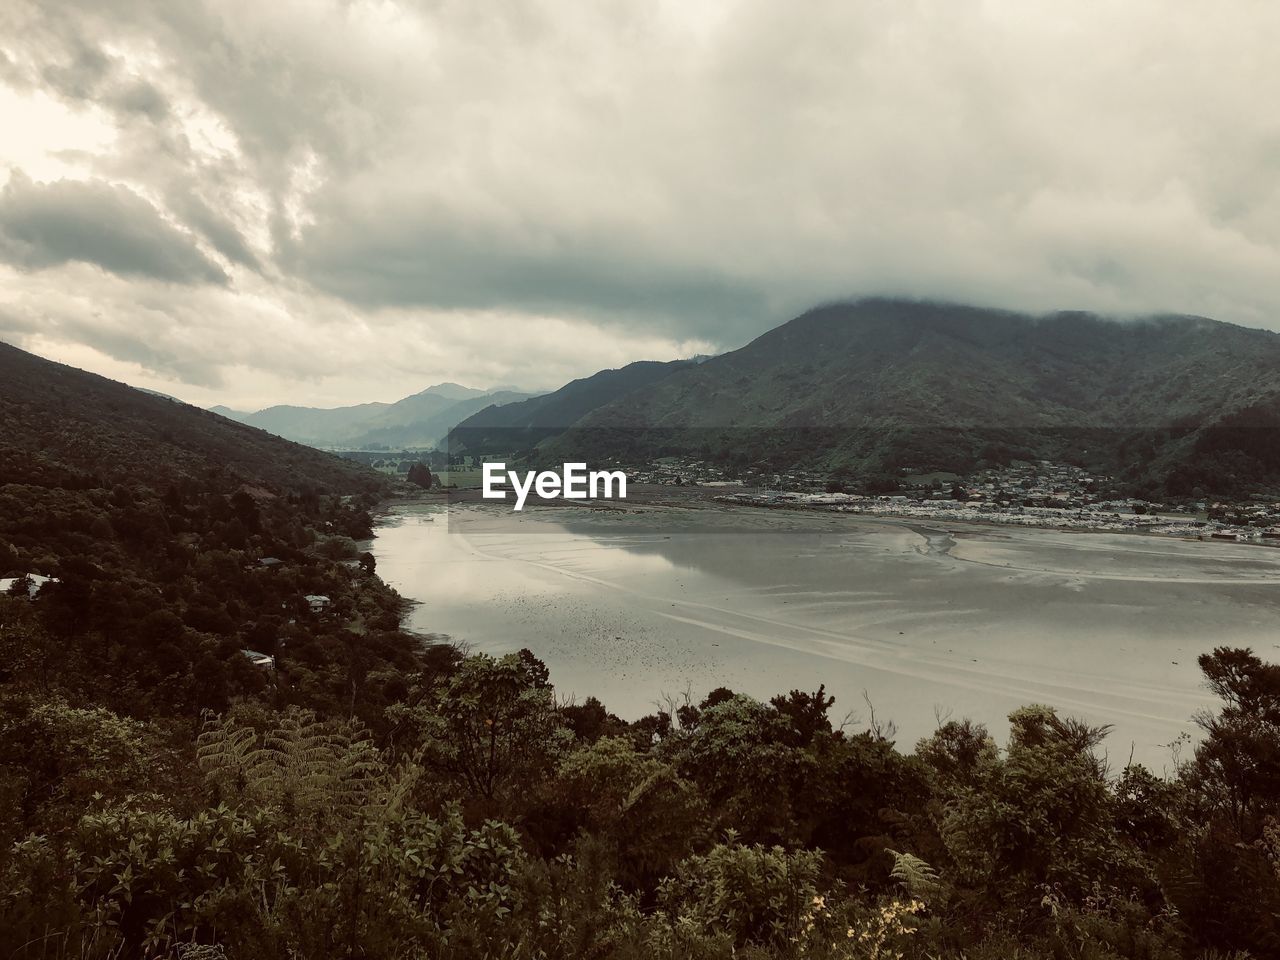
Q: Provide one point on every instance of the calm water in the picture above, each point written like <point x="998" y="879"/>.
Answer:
<point x="928" y="623"/>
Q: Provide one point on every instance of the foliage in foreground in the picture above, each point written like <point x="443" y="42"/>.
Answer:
<point x="479" y="818"/>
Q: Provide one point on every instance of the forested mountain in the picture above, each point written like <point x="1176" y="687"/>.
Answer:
<point x="420" y="420"/>
<point x="63" y="424"/>
<point x="153" y="517"/>
<point x="886" y="383"/>
<point x="518" y="426"/>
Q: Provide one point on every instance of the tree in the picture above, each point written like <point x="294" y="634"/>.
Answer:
<point x="755" y="895"/>
<point x="741" y="757"/>
<point x="806" y="712"/>
<point x="649" y="815"/>
<point x="368" y="563"/>
<point x="590" y="720"/>
<point x="1042" y="817"/>
<point x="63" y="756"/>
<point x="420" y="474"/>
<point x="493" y="723"/>
<point x="1237" y="767"/>
<point x="1234" y="785"/>
<point x="957" y="753"/>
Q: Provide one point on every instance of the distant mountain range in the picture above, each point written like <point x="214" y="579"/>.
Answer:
<point x="421" y="420"/>
<point x="511" y="427"/>
<point x="68" y="429"/>
<point x="1173" y="404"/>
<point x="884" y="385"/>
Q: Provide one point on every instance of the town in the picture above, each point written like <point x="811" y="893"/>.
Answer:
<point x="1037" y="494"/>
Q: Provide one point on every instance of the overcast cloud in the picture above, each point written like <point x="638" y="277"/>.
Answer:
<point x="332" y="202"/>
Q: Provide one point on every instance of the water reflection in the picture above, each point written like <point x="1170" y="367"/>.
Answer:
<point x="1106" y="628"/>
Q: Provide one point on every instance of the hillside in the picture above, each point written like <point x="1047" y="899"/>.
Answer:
<point x="519" y="426"/>
<point x="420" y="420"/>
<point x="154" y="518"/>
<point x="883" y="383"/>
<point x="402" y="426"/>
<point x="60" y="421"/>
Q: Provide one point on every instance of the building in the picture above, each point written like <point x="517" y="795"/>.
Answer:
<point x="35" y="583"/>
<point x="318" y="602"/>
<point x="260" y="661"/>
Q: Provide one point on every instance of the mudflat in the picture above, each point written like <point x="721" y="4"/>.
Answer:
<point x="928" y="621"/>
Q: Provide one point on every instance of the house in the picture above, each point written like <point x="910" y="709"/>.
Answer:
<point x="270" y="562"/>
<point x="260" y="661"/>
<point x="318" y="602"/>
<point x="35" y="583"/>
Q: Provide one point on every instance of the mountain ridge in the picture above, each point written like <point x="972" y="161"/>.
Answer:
<point x="421" y="419"/>
<point x="883" y="384"/>
<point x="522" y="425"/>
<point x="63" y="424"/>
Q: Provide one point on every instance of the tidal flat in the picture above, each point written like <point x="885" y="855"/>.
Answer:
<point x="924" y="622"/>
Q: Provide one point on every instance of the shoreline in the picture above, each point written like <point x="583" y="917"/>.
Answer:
<point x="713" y="501"/>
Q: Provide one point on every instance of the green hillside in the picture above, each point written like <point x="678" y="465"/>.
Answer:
<point x="887" y="383"/>
<point x="153" y="518"/>
<point x="511" y="427"/>
<point x="62" y="422"/>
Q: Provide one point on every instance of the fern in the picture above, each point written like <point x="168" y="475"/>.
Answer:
<point x="306" y="767"/>
<point x="230" y="757"/>
<point x="918" y="878"/>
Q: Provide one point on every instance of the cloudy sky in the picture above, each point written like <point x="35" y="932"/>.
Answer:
<point x="329" y="202"/>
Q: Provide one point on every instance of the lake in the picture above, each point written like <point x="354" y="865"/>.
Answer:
<point x="922" y="622"/>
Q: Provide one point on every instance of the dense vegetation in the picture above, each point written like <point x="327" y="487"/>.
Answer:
<point x="474" y="816"/>
<point x="168" y="789"/>
<point x="64" y="428"/>
<point x="155" y="518"/>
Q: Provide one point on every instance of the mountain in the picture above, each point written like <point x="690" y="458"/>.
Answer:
<point x="420" y="420"/>
<point x="66" y="425"/>
<point x="318" y="426"/>
<point x="519" y="426"/>
<point x="149" y="519"/>
<point x="423" y="429"/>
<point x="887" y="384"/>
<point x="455" y="391"/>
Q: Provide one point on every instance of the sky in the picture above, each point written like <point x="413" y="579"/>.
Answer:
<point x="326" y="203"/>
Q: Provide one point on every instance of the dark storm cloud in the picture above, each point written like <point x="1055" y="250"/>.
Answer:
<point x="213" y="226"/>
<point x="385" y="174"/>
<point x="45" y="225"/>
<point x="425" y="259"/>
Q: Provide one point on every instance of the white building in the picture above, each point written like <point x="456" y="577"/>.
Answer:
<point x="35" y="584"/>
